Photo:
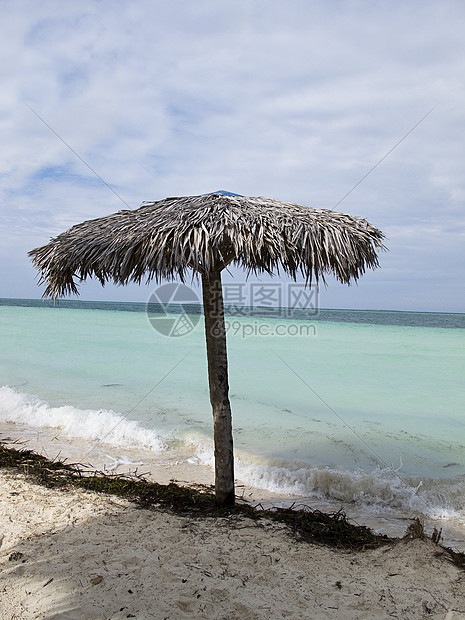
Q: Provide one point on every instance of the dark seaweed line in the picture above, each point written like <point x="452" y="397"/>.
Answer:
<point x="312" y="526"/>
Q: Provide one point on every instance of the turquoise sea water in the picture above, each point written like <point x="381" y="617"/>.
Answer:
<point x="350" y="406"/>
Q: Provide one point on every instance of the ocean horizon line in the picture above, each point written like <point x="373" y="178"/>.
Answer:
<point x="38" y="301"/>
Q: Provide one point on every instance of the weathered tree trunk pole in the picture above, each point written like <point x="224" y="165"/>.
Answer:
<point x="217" y="359"/>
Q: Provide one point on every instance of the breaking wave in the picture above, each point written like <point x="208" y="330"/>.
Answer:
<point x="89" y="424"/>
<point x="380" y="490"/>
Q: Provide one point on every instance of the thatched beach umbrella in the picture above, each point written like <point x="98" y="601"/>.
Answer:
<point x="202" y="235"/>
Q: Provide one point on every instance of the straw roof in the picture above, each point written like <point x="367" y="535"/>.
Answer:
<point x="169" y="238"/>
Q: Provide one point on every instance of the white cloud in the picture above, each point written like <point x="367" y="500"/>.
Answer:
<point x="294" y="100"/>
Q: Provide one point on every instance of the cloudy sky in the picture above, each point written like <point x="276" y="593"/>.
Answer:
<point x="291" y="99"/>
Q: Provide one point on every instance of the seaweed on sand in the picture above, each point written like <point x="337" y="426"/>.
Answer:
<point x="332" y="529"/>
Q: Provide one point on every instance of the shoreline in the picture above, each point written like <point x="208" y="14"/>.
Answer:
<point x="163" y="469"/>
<point x="71" y="554"/>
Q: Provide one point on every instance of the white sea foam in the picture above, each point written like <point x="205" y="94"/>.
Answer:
<point x="107" y="426"/>
<point x="377" y="491"/>
<point x="120" y="460"/>
<point x="382" y="490"/>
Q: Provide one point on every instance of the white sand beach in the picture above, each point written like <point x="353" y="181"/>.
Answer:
<point x="54" y="443"/>
<point x="77" y="555"/>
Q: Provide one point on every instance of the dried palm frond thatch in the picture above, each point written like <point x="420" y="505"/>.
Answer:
<point x="165" y="239"/>
<point x="202" y="235"/>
